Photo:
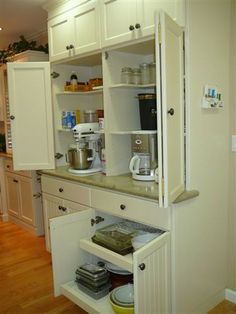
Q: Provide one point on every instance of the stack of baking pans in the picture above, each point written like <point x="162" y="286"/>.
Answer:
<point x="93" y="280"/>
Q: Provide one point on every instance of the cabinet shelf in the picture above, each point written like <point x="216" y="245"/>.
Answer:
<point x="125" y="262"/>
<point x="93" y="92"/>
<point x="133" y="86"/>
<point x="72" y="292"/>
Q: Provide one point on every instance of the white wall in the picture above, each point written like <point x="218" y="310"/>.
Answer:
<point x="200" y="235"/>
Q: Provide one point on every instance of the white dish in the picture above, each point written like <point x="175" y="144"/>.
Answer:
<point x="116" y="269"/>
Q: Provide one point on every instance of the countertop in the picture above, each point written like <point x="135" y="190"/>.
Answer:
<point x="121" y="183"/>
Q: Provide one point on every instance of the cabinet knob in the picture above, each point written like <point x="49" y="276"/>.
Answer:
<point x="171" y="111"/>
<point x="14" y="180"/>
<point x="142" y="266"/>
<point x="12" y="117"/>
<point x="131" y="27"/>
<point x="122" y="206"/>
<point x="60" y="207"/>
<point x="137" y="25"/>
<point x="71" y="46"/>
<point x="67" y="47"/>
<point x="61" y="190"/>
<point x="63" y="208"/>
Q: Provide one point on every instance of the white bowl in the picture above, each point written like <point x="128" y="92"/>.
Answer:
<point x="142" y="239"/>
<point x="123" y="294"/>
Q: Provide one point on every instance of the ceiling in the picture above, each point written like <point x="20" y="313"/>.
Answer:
<point x="20" y="17"/>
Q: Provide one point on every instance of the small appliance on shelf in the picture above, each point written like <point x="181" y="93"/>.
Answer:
<point x="84" y="154"/>
<point x="143" y="164"/>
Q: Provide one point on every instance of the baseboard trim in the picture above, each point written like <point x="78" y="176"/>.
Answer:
<point x="230" y="295"/>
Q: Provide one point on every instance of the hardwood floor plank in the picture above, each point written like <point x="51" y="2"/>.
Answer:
<point x="26" y="285"/>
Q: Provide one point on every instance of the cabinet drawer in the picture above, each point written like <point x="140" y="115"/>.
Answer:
<point x="66" y="190"/>
<point x="132" y="208"/>
<point x="8" y="166"/>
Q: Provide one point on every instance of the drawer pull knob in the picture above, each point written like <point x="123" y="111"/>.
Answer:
<point x="61" y="190"/>
<point x="122" y="206"/>
<point x="137" y="26"/>
<point x="142" y="266"/>
<point x="131" y="27"/>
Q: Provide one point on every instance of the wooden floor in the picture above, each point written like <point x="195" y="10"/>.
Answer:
<point x="26" y="277"/>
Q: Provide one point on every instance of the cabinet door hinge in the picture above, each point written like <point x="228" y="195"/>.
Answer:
<point x="159" y="33"/>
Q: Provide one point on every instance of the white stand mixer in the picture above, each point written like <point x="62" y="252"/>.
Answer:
<point x="88" y="143"/>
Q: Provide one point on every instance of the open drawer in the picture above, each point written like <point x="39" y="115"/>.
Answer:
<point x="150" y="264"/>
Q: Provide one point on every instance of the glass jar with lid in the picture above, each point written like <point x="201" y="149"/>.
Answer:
<point x="152" y="70"/>
<point x="126" y="75"/>
<point x="136" y="76"/>
<point x="145" y="73"/>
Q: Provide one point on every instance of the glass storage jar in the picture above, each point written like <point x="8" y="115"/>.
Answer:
<point x="145" y="73"/>
<point x="136" y="76"/>
<point x="126" y="75"/>
<point x="152" y="70"/>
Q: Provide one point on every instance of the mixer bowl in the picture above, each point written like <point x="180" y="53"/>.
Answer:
<point x="80" y="158"/>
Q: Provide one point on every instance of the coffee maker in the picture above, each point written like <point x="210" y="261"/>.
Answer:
<point x="84" y="155"/>
<point x="143" y="164"/>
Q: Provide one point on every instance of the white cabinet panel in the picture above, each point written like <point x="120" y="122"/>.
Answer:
<point x="60" y="37"/>
<point x="31" y="115"/>
<point x="75" y="32"/>
<point x="127" y="20"/>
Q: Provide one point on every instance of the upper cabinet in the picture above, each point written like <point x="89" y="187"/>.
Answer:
<point x="128" y="20"/>
<point x="74" y="32"/>
<point x="31" y="115"/>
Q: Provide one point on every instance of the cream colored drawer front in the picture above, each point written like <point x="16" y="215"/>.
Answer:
<point x="66" y="190"/>
<point x="8" y="166"/>
<point x="132" y="208"/>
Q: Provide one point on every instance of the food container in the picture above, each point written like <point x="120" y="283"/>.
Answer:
<point x="98" y="294"/>
<point x="136" y="76"/>
<point x="68" y="119"/>
<point x="152" y="71"/>
<point x="90" y="116"/>
<point x="145" y="73"/>
<point x="126" y="75"/>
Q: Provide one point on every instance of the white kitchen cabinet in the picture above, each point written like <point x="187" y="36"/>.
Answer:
<point x="122" y="109"/>
<point x="61" y="197"/>
<point x="149" y="264"/>
<point x="75" y="32"/>
<point x="31" y="115"/>
<point x="128" y="20"/>
<point x="24" y="198"/>
<point x="54" y="207"/>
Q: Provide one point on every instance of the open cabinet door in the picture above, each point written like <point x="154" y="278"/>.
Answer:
<point x="29" y="88"/>
<point x="170" y="108"/>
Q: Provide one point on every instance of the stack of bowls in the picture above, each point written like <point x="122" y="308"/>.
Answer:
<point x="122" y="299"/>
